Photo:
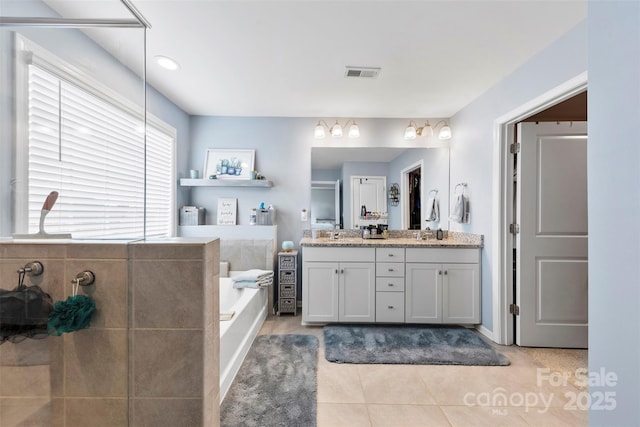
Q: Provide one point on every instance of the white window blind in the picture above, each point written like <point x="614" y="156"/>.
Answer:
<point x="93" y="153"/>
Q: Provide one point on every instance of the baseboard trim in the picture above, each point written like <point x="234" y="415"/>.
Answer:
<point x="487" y="333"/>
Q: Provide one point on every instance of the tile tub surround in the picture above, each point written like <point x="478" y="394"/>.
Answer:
<point x="104" y="375"/>
<point x="397" y="238"/>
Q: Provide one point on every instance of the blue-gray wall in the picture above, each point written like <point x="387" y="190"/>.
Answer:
<point x="472" y="156"/>
<point x="614" y="206"/>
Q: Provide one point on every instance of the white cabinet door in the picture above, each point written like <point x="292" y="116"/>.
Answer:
<point x="320" y="291"/>
<point x="461" y="293"/>
<point x="423" y="289"/>
<point x="357" y="296"/>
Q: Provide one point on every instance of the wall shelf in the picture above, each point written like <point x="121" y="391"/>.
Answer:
<point x="259" y="183"/>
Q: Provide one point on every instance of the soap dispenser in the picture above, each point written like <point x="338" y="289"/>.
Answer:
<point x="439" y="234"/>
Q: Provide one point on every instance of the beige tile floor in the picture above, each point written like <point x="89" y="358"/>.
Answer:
<point x="526" y="393"/>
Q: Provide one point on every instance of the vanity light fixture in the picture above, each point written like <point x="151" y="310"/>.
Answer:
<point x="336" y="129"/>
<point x="412" y="131"/>
<point x="167" y="63"/>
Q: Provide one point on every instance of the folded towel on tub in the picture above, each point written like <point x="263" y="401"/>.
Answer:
<point x="253" y="284"/>
<point x="253" y="274"/>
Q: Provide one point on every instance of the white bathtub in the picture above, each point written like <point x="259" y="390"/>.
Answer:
<point x="237" y="334"/>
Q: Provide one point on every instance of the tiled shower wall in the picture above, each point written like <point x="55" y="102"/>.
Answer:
<point x="150" y="356"/>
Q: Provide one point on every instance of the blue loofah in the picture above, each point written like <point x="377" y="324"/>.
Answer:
<point x="71" y="315"/>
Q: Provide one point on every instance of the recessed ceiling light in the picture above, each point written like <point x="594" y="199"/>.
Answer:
<point x="167" y="63"/>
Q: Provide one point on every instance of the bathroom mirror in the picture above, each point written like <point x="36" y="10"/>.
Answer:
<point x="420" y="173"/>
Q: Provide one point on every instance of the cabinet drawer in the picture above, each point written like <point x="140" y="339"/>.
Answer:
<point x="390" y="254"/>
<point x="339" y="254"/>
<point x="390" y="269"/>
<point x="288" y="262"/>
<point x="286" y="305"/>
<point x="287" y="291"/>
<point x="390" y="307"/>
<point x="390" y="284"/>
<point x="287" y="276"/>
<point x="443" y="255"/>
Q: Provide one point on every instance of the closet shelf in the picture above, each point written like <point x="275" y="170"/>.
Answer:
<point x="259" y="183"/>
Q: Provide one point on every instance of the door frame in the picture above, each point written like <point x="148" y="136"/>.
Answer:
<point x="404" y="190"/>
<point x="503" y="130"/>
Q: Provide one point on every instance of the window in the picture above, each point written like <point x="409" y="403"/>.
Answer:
<point x="91" y="150"/>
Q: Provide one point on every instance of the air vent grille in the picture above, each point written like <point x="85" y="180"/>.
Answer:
<point x="362" y="72"/>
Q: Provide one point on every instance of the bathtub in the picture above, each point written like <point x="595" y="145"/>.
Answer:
<point x="237" y="334"/>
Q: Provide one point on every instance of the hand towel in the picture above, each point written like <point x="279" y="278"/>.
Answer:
<point x="465" y="217"/>
<point x="433" y="209"/>
<point x="457" y="214"/>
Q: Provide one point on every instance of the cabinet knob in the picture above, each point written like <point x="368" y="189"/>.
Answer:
<point x="391" y="269"/>
<point x="390" y="254"/>
<point x="390" y="284"/>
<point x="439" y="273"/>
<point x="390" y="307"/>
<point x="336" y="271"/>
<point x="445" y="272"/>
<point x="342" y="271"/>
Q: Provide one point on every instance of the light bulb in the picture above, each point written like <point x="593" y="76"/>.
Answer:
<point x="410" y="132"/>
<point x="445" y="132"/>
<point x="319" y="132"/>
<point x="336" y="130"/>
<point x="427" y="131"/>
<point x="354" y="131"/>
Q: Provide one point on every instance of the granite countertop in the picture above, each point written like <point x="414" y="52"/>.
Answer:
<point x="454" y="240"/>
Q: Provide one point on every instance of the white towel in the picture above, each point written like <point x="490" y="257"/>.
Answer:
<point x="457" y="214"/>
<point x="465" y="218"/>
<point x="253" y="284"/>
<point x="433" y="209"/>
<point x="252" y="275"/>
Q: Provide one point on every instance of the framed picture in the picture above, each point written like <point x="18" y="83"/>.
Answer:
<point x="229" y="163"/>
<point x="227" y="211"/>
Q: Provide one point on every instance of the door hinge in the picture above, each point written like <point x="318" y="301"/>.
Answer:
<point x="514" y="228"/>
<point x="514" y="309"/>
<point x="514" y="148"/>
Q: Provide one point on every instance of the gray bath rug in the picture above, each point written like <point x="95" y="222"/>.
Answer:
<point x="276" y="384"/>
<point x="409" y="345"/>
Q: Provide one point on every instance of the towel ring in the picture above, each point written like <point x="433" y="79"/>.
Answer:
<point x="434" y="192"/>
<point x="463" y="185"/>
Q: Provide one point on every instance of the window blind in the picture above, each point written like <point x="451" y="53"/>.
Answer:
<point x="93" y="154"/>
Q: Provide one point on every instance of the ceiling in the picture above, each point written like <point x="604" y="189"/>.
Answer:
<point x="288" y="58"/>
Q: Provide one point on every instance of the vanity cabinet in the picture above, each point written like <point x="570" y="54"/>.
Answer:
<point x="390" y="284"/>
<point x="338" y="284"/>
<point x="442" y="286"/>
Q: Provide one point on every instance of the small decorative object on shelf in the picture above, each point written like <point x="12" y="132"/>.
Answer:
<point x="287" y="281"/>
<point x="287" y="246"/>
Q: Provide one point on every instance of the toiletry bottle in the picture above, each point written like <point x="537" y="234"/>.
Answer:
<point x="253" y="216"/>
<point x="439" y="234"/>
<point x="363" y="211"/>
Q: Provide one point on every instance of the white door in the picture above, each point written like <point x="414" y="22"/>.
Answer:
<point x="370" y="192"/>
<point x="551" y="266"/>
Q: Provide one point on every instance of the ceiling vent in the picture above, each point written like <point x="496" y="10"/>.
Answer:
<point x="362" y="72"/>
